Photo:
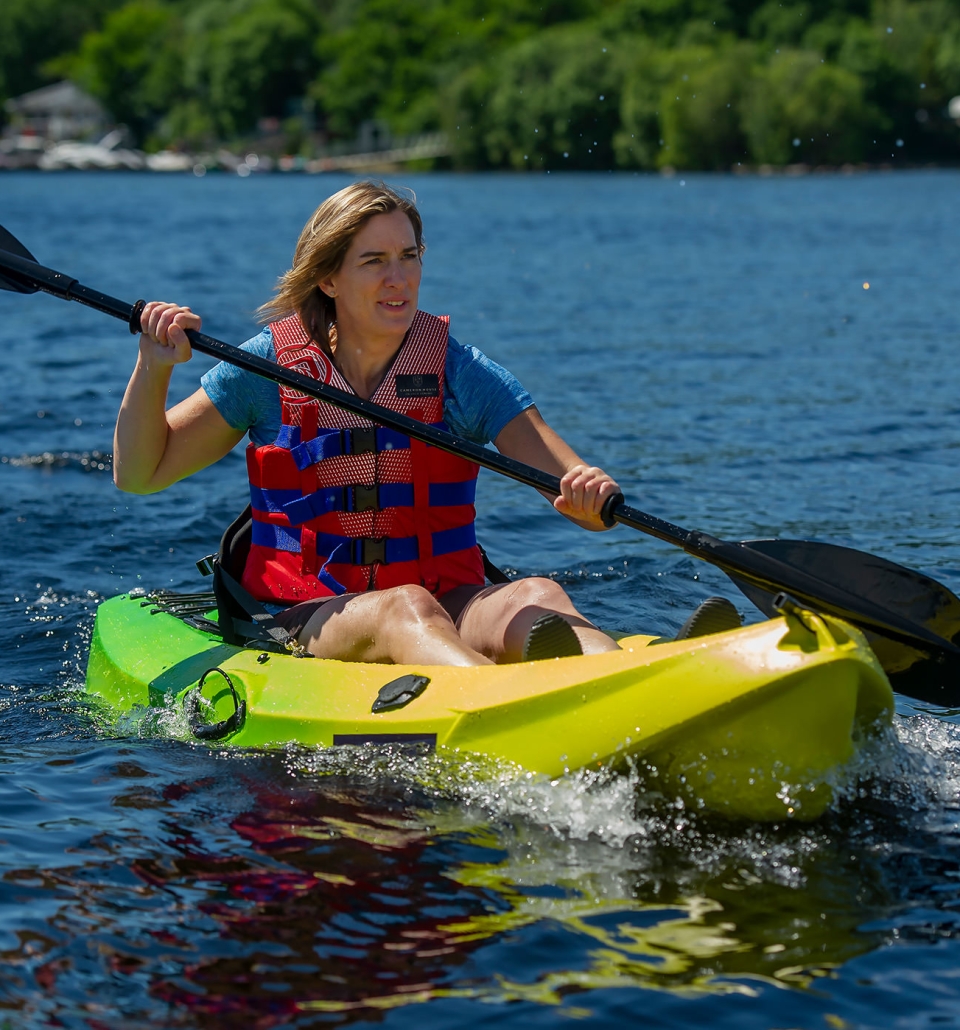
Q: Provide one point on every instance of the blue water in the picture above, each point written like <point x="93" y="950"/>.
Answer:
<point x="708" y="340"/>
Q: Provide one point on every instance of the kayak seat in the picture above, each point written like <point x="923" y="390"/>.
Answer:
<point x="242" y="620"/>
<point x="715" y="615"/>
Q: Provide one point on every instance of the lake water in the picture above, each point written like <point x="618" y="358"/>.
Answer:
<point x="708" y="340"/>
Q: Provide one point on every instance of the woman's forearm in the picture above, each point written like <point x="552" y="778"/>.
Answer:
<point x="584" y="489"/>
<point x="140" y="437"/>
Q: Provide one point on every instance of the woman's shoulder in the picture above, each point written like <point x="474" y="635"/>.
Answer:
<point x="462" y="356"/>
<point x="481" y="396"/>
<point x="261" y="345"/>
<point x="243" y="398"/>
<point x="466" y="361"/>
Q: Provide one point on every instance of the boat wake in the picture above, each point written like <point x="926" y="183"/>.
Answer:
<point x="910" y="771"/>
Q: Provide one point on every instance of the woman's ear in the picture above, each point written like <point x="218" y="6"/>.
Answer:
<point x="327" y="287"/>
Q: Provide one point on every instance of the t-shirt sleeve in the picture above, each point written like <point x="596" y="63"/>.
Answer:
<point x="246" y="401"/>
<point x="481" y="396"/>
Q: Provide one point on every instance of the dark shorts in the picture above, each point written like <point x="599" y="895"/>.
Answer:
<point x="294" y="619"/>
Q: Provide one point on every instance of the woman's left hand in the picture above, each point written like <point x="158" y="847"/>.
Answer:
<point x="584" y="491"/>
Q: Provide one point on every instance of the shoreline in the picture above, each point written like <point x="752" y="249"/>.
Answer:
<point x="668" y="172"/>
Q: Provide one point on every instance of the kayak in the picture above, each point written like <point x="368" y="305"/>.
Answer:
<point x="754" y="723"/>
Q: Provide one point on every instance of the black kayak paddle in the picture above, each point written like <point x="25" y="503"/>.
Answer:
<point x="912" y="621"/>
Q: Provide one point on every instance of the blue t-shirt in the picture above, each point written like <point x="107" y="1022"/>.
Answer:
<point x="480" y="397"/>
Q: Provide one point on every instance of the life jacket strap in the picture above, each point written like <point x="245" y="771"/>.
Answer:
<point x="387" y="550"/>
<point x="358" y="497"/>
<point x="334" y="443"/>
<point x="422" y="502"/>
<point x="357" y="550"/>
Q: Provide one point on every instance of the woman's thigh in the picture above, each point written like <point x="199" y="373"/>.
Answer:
<point x="346" y="628"/>
<point x="402" y="624"/>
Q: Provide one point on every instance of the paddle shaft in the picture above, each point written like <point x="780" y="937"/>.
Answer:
<point x="735" y="559"/>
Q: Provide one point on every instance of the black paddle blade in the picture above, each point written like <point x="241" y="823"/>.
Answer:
<point x="8" y="279"/>
<point x="905" y="592"/>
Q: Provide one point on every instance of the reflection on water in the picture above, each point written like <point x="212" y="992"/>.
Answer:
<point x="272" y="887"/>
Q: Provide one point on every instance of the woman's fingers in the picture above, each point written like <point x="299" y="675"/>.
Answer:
<point x="164" y="328"/>
<point x="583" y="492"/>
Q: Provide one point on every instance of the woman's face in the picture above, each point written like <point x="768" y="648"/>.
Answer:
<point x="376" y="288"/>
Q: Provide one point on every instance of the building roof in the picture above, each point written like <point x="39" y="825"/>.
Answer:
<point x="64" y="99"/>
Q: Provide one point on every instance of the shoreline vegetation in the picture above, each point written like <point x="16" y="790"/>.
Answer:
<point x="759" y="86"/>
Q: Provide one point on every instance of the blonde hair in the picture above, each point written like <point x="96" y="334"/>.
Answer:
<point x="323" y="245"/>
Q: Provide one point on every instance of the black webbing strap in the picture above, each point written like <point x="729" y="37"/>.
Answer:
<point x="490" y="570"/>
<point x="260" y="627"/>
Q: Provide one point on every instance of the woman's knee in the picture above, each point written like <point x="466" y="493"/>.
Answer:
<point x="411" y="603"/>
<point x="539" y="592"/>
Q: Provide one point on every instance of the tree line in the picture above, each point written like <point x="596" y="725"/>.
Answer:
<point x="516" y="84"/>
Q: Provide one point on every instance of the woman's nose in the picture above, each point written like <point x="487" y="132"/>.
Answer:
<point x="393" y="273"/>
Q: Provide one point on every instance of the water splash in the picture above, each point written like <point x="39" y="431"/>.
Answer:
<point x="49" y="461"/>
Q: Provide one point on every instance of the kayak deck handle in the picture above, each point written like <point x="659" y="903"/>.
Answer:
<point x="400" y="692"/>
<point x="214" y="730"/>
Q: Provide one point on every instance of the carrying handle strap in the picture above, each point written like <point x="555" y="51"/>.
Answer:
<point x="214" y="730"/>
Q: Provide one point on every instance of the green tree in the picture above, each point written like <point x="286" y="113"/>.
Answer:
<point x="131" y="64"/>
<point x="243" y="60"/>
<point x="32" y="32"/>
<point x="947" y="61"/>
<point x="392" y="60"/>
<point x="638" y="142"/>
<point x="700" y="108"/>
<point x="382" y="65"/>
<point x="896" y="58"/>
<point x="667" y="22"/>
<point x="779" y="23"/>
<point x="799" y="108"/>
<point x="518" y="83"/>
<point x="552" y="101"/>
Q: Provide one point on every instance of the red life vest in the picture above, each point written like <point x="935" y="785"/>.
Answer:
<point x="340" y="504"/>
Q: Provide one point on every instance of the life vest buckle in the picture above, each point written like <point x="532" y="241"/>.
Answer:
<point x="362" y="498"/>
<point x="370" y="551"/>
<point x="360" y="440"/>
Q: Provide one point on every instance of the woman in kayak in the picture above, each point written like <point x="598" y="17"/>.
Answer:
<point x="364" y="537"/>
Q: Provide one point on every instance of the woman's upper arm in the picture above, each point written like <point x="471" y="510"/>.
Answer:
<point x="198" y="435"/>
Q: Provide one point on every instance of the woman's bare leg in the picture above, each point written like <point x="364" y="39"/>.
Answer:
<point x="405" y="625"/>
<point x="497" y="619"/>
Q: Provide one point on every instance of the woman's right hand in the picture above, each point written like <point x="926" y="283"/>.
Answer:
<point x="163" y="340"/>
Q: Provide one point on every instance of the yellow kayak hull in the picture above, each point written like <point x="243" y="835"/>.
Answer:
<point x="756" y="723"/>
